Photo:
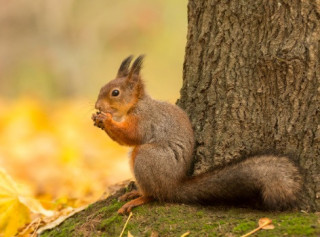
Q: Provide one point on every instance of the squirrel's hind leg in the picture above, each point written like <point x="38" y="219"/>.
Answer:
<point x="130" y="195"/>
<point x="126" y="208"/>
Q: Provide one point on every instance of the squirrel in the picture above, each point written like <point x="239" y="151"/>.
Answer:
<point x="162" y="139"/>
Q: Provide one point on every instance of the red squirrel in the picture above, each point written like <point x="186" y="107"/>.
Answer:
<point x="162" y="139"/>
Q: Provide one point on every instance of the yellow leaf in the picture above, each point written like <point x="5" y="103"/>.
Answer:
<point x="15" y="206"/>
<point x="263" y="221"/>
<point x="13" y="215"/>
<point x="34" y="206"/>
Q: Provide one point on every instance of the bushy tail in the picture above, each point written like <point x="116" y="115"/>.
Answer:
<point x="275" y="181"/>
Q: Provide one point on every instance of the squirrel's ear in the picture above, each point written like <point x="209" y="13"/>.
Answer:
<point x="136" y="67"/>
<point x="124" y="67"/>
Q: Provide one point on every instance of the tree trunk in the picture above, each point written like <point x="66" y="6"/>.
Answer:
<point x="251" y="82"/>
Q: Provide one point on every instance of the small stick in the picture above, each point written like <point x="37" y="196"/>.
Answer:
<point x="260" y="227"/>
<point x="37" y="227"/>
<point x="185" y="234"/>
<point x="125" y="225"/>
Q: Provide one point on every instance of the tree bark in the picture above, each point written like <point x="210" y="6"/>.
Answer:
<point x="251" y="82"/>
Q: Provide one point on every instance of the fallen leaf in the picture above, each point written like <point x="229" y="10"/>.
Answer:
<point x="60" y="216"/>
<point x="15" y="206"/>
<point x="30" y="228"/>
<point x="129" y="234"/>
<point x="264" y="220"/>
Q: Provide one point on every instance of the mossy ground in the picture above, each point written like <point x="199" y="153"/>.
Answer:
<point x="101" y="219"/>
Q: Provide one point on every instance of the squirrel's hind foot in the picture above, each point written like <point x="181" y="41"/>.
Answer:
<point x="130" y="195"/>
<point x="126" y="208"/>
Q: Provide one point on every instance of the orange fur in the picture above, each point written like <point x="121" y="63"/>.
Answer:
<point x="133" y="157"/>
<point x="126" y="208"/>
<point x="125" y="132"/>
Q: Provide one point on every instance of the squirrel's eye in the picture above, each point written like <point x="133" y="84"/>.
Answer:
<point x="115" y="93"/>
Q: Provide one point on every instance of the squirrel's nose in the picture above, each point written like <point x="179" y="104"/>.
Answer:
<point x="97" y="106"/>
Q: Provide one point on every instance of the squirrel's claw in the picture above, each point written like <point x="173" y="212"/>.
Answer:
<point x="125" y="210"/>
<point x="99" y="118"/>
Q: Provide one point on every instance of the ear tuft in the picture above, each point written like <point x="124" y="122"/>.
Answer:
<point x="136" y="66"/>
<point x="124" y="67"/>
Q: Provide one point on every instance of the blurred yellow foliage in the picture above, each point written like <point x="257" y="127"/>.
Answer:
<point x="15" y="205"/>
<point x="66" y="49"/>
<point x="54" y="150"/>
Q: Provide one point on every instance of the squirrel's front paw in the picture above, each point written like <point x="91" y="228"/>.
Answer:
<point x="99" y="119"/>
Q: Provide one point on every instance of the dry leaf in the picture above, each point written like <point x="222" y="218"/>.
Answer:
<point x="50" y="223"/>
<point x="129" y="234"/>
<point x="30" y="228"/>
<point x="262" y="221"/>
<point x="15" y="206"/>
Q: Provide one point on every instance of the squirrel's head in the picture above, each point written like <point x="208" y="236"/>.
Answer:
<point x="121" y="94"/>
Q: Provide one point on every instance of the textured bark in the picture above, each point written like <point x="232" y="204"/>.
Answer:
<point x="251" y="82"/>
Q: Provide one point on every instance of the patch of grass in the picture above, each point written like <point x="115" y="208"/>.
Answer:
<point x="244" y="227"/>
<point x="111" y="208"/>
<point x="300" y="224"/>
<point x="106" y="223"/>
<point x="66" y="230"/>
<point x="176" y="219"/>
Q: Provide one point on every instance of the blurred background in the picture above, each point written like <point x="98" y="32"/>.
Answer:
<point x="54" y="57"/>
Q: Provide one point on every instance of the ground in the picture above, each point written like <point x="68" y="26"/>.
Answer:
<point x="101" y="219"/>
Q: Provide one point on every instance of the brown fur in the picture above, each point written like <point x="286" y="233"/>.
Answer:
<point x="133" y="156"/>
<point x="163" y="139"/>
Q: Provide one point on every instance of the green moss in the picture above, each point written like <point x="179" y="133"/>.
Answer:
<point x="244" y="227"/>
<point x="301" y="224"/>
<point x="66" y="230"/>
<point x="175" y="219"/>
<point x="105" y="224"/>
<point x="112" y="207"/>
<point x="90" y="206"/>
<point x="199" y="213"/>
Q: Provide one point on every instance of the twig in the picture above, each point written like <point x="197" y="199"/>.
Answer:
<point x="27" y="228"/>
<point x="125" y="225"/>
<point x="185" y="234"/>
<point x="260" y="227"/>
<point x="36" y="228"/>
